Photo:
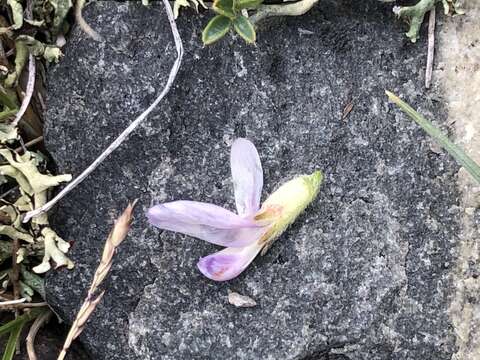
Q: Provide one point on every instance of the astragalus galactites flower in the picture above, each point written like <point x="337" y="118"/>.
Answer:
<point x="253" y="229"/>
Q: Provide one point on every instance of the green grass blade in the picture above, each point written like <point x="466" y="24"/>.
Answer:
<point x="12" y="342"/>
<point x="458" y="154"/>
<point x="10" y="326"/>
<point x="21" y="320"/>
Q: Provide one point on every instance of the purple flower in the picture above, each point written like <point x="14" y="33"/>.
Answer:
<point x="244" y="234"/>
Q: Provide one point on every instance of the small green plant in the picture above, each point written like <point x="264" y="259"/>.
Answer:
<point x="415" y="14"/>
<point x="231" y="14"/>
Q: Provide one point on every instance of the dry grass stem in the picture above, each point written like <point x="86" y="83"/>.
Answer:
<point x="21" y="304"/>
<point x="29" y="90"/>
<point x="115" y="238"/>
<point x="32" y="333"/>
<point x="124" y="135"/>
<point x="79" y="4"/>
<point x="431" y="48"/>
<point x="28" y="144"/>
<point x="9" y="303"/>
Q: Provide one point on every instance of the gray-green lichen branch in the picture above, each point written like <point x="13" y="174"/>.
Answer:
<point x="34" y="185"/>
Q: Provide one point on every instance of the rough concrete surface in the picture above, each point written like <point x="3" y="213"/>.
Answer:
<point x="459" y="75"/>
<point x="365" y="273"/>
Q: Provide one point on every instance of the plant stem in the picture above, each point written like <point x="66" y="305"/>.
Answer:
<point x="415" y="15"/>
<point x="291" y="9"/>
<point x="28" y="91"/>
<point x="32" y="333"/>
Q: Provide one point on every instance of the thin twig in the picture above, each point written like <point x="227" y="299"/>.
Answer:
<point x="15" y="272"/>
<point x="30" y="143"/>
<point x="15" y="279"/>
<point x="121" y="138"/>
<point x="79" y="4"/>
<point x="32" y="333"/>
<point x="22" y="305"/>
<point x="115" y="238"/>
<point x="291" y="9"/>
<point x="431" y="48"/>
<point x="12" y="302"/>
<point x="29" y="91"/>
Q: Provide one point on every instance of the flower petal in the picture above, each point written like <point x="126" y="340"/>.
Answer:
<point x="228" y="263"/>
<point x="207" y="222"/>
<point x="247" y="176"/>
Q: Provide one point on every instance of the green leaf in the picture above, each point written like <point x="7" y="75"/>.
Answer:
<point x="245" y="29"/>
<point x="33" y="280"/>
<point x="246" y="4"/>
<point x="26" y="291"/>
<point x="216" y="29"/>
<point x="454" y="150"/>
<point x="224" y="7"/>
<point x="21" y="320"/>
<point x="12" y="342"/>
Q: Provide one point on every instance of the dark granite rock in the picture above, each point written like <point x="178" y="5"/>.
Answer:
<point x="362" y="274"/>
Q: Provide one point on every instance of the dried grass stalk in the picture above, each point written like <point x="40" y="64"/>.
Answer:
<point x="32" y="333"/>
<point x="115" y="238"/>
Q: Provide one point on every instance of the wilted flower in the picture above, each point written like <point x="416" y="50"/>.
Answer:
<point x="253" y="229"/>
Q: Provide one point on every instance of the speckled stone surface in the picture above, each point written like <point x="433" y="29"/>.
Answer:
<point x="362" y="274"/>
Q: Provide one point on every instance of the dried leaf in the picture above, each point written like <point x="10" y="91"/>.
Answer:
<point x="347" y="110"/>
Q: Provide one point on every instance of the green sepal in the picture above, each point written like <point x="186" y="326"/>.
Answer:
<point x="216" y="29"/>
<point x="245" y="29"/>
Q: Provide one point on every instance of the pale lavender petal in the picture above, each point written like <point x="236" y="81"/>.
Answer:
<point x="247" y="176"/>
<point x="207" y="222"/>
<point x="228" y="263"/>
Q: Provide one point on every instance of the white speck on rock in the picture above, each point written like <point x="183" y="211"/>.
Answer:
<point x="238" y="300"/>
<point x="239" y="64"/>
